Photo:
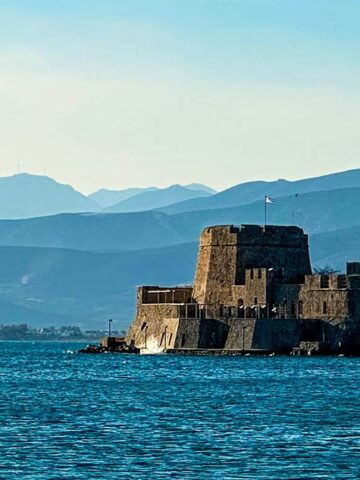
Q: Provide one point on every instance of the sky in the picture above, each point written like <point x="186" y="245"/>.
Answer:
<point x="121" y="93"/>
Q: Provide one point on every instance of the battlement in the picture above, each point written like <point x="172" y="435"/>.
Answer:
<point x="227" y="251"/>
<point x="253" y="289"/>
<point x="221" y="235"/>
<point x="156" y="295"/>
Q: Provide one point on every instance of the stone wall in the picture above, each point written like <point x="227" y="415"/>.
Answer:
<point x="226" y="252"/>
<point x="155" y="327"/>
<point x="156" y="294"/>
<point x="325" y="297"/>
<point x="216" y="267"/>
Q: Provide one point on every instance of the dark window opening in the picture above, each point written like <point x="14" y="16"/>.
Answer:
<point x="292" y="308"/>
<point x="255" y="301"/>
<point x="259" y="274"/>
<point x="325" y="309"/>
<point x="324" y="281"/>
<point x="252" y="274"/>
<point x="341" y="281"/>
<point x="300" y="307"/>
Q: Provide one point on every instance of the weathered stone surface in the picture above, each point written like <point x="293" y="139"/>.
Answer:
<point x="253" y="290"/>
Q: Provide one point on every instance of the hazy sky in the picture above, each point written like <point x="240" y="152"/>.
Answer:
<point x="120" y="93"/>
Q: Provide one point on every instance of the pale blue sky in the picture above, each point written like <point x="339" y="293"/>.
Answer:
<point x="121" y="93"/>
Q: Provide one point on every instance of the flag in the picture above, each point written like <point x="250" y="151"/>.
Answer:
<point x="268" y="199"/>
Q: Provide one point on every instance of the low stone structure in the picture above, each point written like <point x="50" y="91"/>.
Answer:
<point x="253" y="292"/>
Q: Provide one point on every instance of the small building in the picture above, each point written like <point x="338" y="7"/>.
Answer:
<point x="254" y="291"/>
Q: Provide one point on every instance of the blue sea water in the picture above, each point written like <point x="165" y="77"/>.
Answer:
<point x="69" y="416"/>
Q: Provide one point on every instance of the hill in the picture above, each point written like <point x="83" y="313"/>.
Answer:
<point x="245" y="193"/>
<point x="25" y="196"/>
<point x="201" y="187"/>
<point x="156" y="199"/>
<point x="128" y="231"/>
<point x="106" y="198"/>
<point x="316" y="212"/>
<point x="49" y="286"/>
<point x="44" y="286"/>
<point x="336" y="248"/>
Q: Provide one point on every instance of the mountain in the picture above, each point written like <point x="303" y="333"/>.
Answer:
<point x="106" y="198"/>
<point x="49" y="286"/>
<point x="156" y="199"/>
<point x="336" y="248"/>
<point x="25" y="196"/>
<point x="44" y="286"/>
<point x="93" y="231"/>
<point x="245" y="193"/>
<point x="316" y="212"/>
<point x="201" y="187"/>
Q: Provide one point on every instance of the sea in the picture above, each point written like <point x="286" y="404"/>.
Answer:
<point x="65" y="415"/>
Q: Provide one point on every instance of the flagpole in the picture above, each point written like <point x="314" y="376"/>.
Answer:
<point x="265" y="202"/>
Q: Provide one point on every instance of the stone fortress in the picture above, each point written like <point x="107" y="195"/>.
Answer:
<point x="254" y="292"/>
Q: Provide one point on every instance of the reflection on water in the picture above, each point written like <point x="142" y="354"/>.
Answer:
<point x="70" y="416"/>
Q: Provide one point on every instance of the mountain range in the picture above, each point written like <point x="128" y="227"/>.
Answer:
<point x="80" y="268"/>
<point x="244" y="193"/>
<point x="151" y="200"/>
<point x="50" y="286"/>
<point x="316" y="212"/>
<point x="28" y="196"/>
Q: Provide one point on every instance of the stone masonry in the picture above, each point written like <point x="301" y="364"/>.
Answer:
<point x="253" y="291"/>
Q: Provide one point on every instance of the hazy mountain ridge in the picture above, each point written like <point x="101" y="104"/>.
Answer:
<point x="245" y="193"/>
<point x="151" y="200"/>
<point x="45" y="286"/>
<point x="82" y="268"/>
<point x="27" y="196"/>
<point x="316" y="212"/>
<point x="105" y="198"/>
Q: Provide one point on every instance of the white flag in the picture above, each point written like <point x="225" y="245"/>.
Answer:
<point x="268" y="199"/>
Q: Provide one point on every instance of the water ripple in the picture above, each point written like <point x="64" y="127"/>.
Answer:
<point x="67" y="416"/>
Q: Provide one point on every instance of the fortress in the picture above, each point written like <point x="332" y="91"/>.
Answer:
<point x="253" y="292"/>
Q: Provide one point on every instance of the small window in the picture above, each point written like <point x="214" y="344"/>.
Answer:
<point x="255" y="301"/>
<point x="252" y="274"/>
<point x="240" y="302"/>
<point x="300" y="307"/>
<point x="324" y="281"/>
<point x="292" y="308"/>
<point x="259" y="273"/>
<point x="341" y="281"/>
<point x="325" y="309"/>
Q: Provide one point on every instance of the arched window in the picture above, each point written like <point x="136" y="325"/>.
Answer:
<point x="255" y="301"/>
<point x="325" y="308"/>
<point x="240" y="302"/>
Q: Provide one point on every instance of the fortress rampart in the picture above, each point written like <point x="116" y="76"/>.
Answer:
<point x="253" y="291"/>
